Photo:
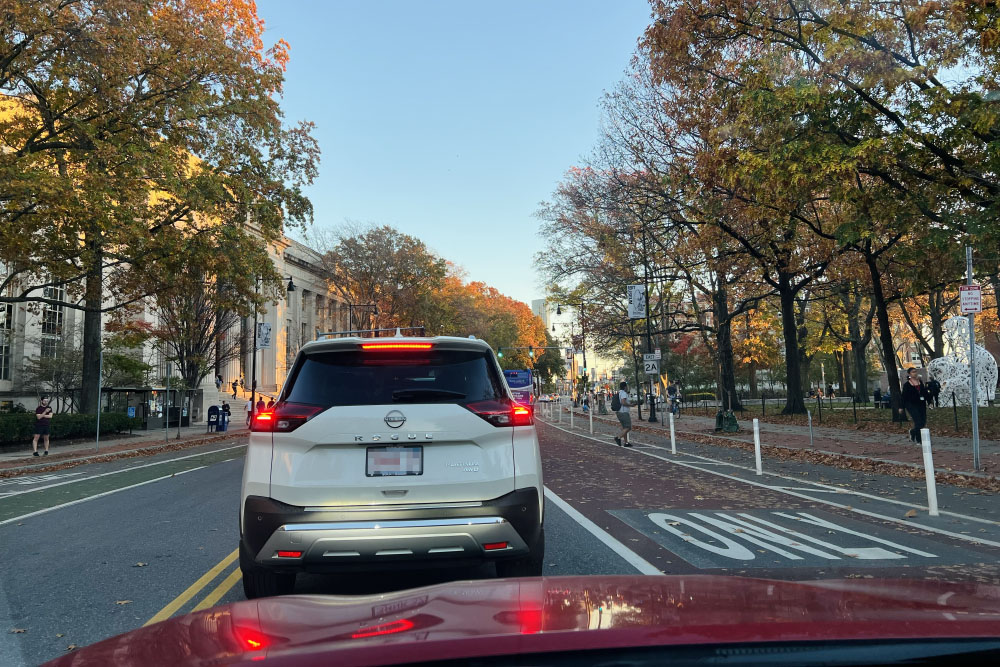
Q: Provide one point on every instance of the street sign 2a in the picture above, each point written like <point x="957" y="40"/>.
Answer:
<point x="971" y="298"/>
<point x="651" y="367"/>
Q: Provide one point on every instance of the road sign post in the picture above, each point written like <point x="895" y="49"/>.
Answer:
<point x="972" y="303"/>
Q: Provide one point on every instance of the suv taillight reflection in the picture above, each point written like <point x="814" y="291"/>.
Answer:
<point x="284" y="417"/>
<point x="503" y="413"/>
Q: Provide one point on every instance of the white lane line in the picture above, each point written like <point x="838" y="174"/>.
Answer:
<point x="780" y="489"/>
<point x="99" y="495"/>
<point x="115" y="472"/>
<point x="629" y="556"/>
<point x="819" y="486"/>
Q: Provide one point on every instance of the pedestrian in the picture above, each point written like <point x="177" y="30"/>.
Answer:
<point x="218" y="383"/>
<point x="934" y="391"/>
<point x="43" y="417"/>
<point x="249" y="409"/>
<point x="260" y="404"/>
<point x="624" y="414"/>
<point x="226" y="410"/>
<point x="234" y="389"/>
<point x="674" y="393"/>
<point x="915" y="402"/>
<point x="877" y="396"/>
<point x="270" y="403"/>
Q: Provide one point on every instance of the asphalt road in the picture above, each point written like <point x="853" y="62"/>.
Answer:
<point x="97" y="550"/>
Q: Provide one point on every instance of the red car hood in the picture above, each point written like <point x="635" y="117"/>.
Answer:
<point x="507" y="616"/>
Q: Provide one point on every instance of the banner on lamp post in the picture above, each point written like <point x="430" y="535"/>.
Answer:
<point x="636" y="302"/>
<point x="263" y="336"/>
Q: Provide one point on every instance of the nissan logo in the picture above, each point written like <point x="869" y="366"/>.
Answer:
<point x="395" y="419"/>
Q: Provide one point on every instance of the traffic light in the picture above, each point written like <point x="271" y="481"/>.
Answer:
<point x="500" y="353"/>
<point x="531" y="351"/>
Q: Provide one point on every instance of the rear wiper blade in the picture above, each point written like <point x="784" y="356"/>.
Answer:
<point x="402" y="394"/>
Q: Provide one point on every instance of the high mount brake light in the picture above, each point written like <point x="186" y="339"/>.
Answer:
<point x="396" y="346"/>
<point x="284" y="417"/>
<point x="502" y="413"/>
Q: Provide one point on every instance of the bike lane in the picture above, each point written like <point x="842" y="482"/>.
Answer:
<point x="686" y="516"/>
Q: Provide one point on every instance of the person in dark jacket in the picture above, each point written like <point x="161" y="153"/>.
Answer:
<point x="877" y="395"/>
<point x="915" y="402"/>
<point x="933" y="391"/>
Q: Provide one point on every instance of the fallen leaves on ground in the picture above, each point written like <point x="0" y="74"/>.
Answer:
<point x="123" y="602"/>
<point x="17" y="631"/>
<point x="911" y="514"/>
<point x="140" y="564"/>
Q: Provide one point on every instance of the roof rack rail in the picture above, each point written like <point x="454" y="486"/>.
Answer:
<point x="354" y="332"/>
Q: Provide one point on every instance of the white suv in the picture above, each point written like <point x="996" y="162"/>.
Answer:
<point x="386" y="452"/>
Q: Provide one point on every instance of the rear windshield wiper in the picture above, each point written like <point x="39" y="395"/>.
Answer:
<point x="404" y="394"/>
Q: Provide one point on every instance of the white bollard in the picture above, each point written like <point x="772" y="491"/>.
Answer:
<point x="925" y="445"/>
<point x="590" y="415"/>
<point x="571" y="416"/>
<point x="756" y="446"/>
<point x="673" y="438"/>
<point x="559" y="409"/>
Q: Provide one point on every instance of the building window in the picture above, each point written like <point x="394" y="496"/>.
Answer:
<point x="6" y="326"/>
<point x="52" y="322"/>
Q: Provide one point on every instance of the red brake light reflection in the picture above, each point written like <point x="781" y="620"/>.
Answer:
<point x="402" y="625"/>
<point x="250" y="640"/>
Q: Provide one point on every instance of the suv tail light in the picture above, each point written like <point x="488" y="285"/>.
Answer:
<point x="503" y="413"/>
<point x="284" y="417"/>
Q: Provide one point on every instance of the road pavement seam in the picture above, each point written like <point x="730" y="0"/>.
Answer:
<point x="174" y="605"/>
<point x="779" y="489"/>
<point x="115" y="472"/>
<point x="99" y="495"/>
<point x="629" y="556"/>
<point x="820" y="487"/>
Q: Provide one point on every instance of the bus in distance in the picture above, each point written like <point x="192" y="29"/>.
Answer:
<point x="520" y="386"/>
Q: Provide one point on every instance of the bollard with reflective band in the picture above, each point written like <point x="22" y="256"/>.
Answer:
<point x="590" y="415"/>
<point x="673" y="438"/>
<point x="925" y="445"/>
<point x="756" y="446"/>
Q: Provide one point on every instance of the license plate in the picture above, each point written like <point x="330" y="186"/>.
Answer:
<point x="394" y="461"/>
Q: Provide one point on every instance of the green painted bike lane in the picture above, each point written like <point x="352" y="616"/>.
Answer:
<point x="72" y="491"/>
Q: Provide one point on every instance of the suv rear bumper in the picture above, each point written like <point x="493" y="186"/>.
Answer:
<point x="338" y="538"/>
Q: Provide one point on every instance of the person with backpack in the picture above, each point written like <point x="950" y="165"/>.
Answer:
<point x="620" y="405"/>
<point x="933" y="392"/>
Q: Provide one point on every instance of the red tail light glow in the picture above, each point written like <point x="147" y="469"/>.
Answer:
<point x="284" y="417"/>
<point x="289" y="554"/>
<point x="396" y="346"/>
<point x="402" y="625"/>
<point x="502" y="413"/>
<point x="494" y="546"/>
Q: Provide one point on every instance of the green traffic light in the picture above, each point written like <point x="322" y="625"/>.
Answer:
<point x="531" y="351"/>
<point x="500" y="353"/>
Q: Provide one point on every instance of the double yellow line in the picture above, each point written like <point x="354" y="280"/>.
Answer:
<point x="209" y="600"/>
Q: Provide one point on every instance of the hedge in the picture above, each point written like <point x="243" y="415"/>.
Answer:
<point x="697" y="397"/>
<point x="16" y="428"/>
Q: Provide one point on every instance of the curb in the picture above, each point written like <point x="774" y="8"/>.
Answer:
<point x="62" y="464"/>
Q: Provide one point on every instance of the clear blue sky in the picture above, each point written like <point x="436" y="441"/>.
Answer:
<point x="451" y="121"/>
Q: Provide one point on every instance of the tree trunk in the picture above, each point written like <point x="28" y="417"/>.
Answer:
<point x="724" y="345"/>
<point x="846" y="389"/>
<point x="885" y="336"/>
<point x="937" y="323"/>
<point x="90" y="391"/>
<point x="752" y="379"/>
<point x="794" y="403"/>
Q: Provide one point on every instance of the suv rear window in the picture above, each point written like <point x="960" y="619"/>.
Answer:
<point x="356" y="377"/>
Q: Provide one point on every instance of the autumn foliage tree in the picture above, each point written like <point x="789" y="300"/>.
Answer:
<point x="133" y="130"/>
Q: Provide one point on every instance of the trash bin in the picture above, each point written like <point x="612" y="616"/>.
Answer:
<point x="223" y="423"/>
<point x="719" y="420"/>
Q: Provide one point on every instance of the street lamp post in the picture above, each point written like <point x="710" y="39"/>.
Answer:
<point x="583" y="333"/>
<point x="649" y="333"/>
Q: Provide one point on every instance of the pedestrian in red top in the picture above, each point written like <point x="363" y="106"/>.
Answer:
<point x="43" y="416"/>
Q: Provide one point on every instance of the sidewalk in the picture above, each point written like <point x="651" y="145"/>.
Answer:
<point x="951" y="454"/>
<point x="64" y="453"/>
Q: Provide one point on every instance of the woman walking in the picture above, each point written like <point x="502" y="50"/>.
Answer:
<point x="915" y="402"/>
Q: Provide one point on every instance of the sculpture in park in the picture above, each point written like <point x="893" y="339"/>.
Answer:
<point x="952" y="370"/>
